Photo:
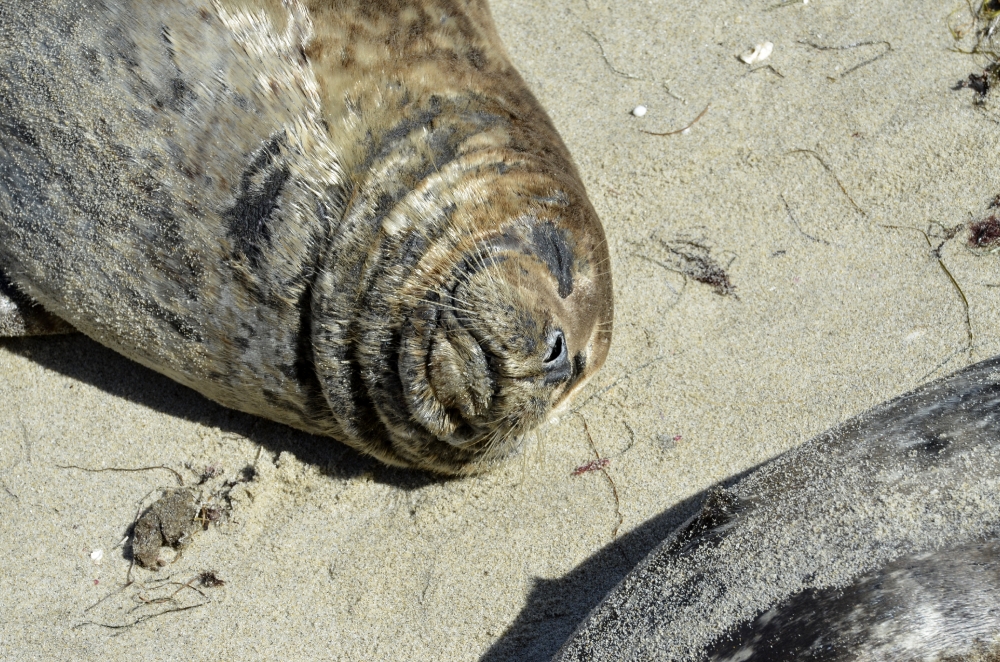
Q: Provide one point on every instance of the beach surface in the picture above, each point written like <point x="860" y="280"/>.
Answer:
<point x="791" y="246"/>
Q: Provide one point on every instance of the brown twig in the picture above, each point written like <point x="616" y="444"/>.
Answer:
<point x="798" y="227"/>
<point x="112" y="626"/>
<point x="601" y="465"/>
<point x="180" y="479"/>
<point x="631" y="442"/>
<point x="766" y="66"/>
<point x="936" y="254"/>
<point x="180" y="587"/>
<point x="672" y="133"/>
<point x="114" y="592"/>
<point x="607" y="62"/>
<point x="827" y="167"/>
<point x="857" y="44"/>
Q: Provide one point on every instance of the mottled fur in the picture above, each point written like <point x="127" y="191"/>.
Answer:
<point x="350" y="217"/>
<point x="876" y="541"/>
<point x="940" y="606"/>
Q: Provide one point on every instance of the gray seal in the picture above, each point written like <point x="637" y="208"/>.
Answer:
<point x="348" y="216"/>
<point x="878" y="541"/>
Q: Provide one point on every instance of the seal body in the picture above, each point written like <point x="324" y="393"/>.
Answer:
<point x="348" y="216"/>
<point x="876" y="541"/>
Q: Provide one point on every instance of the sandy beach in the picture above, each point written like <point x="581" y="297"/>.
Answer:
<point x="797" y="255"/>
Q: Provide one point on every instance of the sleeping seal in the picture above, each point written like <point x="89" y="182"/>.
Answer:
<point x="879" y="540"/>
<point x="349" y="216"/>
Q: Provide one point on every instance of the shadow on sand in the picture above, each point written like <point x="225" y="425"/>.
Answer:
<point x="556" y="606"/>
<point x="84" y="360"/>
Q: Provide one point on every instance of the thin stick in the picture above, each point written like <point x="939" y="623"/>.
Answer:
<point x="601" y="466"/>
<point x="799" y="227"/>
<point x="936" y="253"/>
<point x="170" y="598"/>
<point x="671" y="93"/>
<point x="827" y="167"/>
<point x="786" y="3"/>
<point x="147" y="617"/>
<point x="180" y="479"/>
<point x="766" y="66"/>
<point x="114" y="592"/>
<point x="604" y="56"/>
<point x="940" y="365"/>
<point x="848" y="47"/>
<point x="672" y="133"/>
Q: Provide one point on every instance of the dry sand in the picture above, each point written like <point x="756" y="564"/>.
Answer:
<point x="327" y="555"/>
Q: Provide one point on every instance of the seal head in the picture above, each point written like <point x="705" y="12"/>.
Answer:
<point x="487" y="304"/>
<point x="506" y="337"/>
<point x="484" y="297"/>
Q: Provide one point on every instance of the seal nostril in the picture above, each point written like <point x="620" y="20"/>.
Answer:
<point x="557" y="351"/>
<point x="557" y="365"/>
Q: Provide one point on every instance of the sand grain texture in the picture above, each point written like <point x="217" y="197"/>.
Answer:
<point x="327" y="555"/>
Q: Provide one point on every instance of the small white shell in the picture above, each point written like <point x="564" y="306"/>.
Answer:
<point x="759" y="53"/>
<point x="97" y="555"/>
<point x="639" y="111"/>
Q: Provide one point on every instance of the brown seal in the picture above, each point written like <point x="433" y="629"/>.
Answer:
<point x="348" y="216"/>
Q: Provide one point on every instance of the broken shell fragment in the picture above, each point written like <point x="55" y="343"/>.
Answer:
<point x="759" y="53"/>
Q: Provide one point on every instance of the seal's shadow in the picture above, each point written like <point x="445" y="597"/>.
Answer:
<point x="84" y="360"/>
<point x="555" y="607"/>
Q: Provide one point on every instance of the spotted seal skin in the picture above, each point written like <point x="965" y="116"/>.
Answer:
<point x="877" y="541"/>
<point x="349" y="216"/>
<point x="938" y="605"/>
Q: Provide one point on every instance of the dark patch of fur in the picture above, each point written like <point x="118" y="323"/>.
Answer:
<point x="933" y="443"/>
<point x="476" y="58"/>
<point x="184" y="327"/>
<point x="19" y="131"/>
<point x="838" y="624"/>
<point x="389" y="141"/>
<point x="260" y="188"/>
<point x="551" y="246"/>
<point x="177" y="97"/>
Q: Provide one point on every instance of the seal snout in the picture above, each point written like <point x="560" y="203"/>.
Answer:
<point x="459" y="376"/>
